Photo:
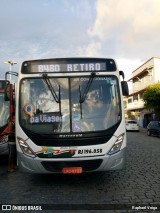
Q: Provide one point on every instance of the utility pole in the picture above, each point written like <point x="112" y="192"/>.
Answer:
<point x="11" y="63"/>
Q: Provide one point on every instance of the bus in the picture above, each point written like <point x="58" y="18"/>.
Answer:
<point x="70" y="116"/>
<point x="6" y="110"/>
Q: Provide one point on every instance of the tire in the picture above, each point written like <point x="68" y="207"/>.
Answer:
<point x="148" y="133"/>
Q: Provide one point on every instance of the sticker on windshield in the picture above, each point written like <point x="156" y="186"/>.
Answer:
<point x="29" y="109"/>
<point x="77" y="127"/>
<point x="49" y="152"/>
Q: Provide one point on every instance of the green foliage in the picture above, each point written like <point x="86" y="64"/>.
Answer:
<point x="151" y="97"/>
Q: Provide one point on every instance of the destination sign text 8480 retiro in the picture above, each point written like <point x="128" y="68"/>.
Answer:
<point x="72" y="67"/>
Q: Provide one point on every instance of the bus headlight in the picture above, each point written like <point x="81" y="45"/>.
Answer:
<point x="117" y="145"/>
<point x="25" y="148"/>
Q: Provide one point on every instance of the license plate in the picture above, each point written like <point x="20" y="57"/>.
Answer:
<point x="72" y="170"/>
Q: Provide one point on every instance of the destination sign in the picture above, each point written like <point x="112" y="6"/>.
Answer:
<point x="45" y="118"/>
<point x="68" y="65"/>
<point x="71" y="67"/>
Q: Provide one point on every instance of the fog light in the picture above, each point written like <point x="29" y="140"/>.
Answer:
<point x="25" y="148"/>
<point x="117" y="145"/>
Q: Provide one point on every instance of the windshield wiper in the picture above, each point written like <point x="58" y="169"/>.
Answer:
<point x="55" y="96"/>
<point x="82" y="97"/>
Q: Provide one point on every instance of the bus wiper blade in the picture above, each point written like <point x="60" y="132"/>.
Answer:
<point x="55" y="96"/>
<point x="82" y="97"/>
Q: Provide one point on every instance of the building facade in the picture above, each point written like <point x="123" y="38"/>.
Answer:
<point x="145" y="75"/>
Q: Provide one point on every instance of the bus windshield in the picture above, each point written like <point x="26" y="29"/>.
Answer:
<point x="4" y="111"/>
<point x="69" y="104"/>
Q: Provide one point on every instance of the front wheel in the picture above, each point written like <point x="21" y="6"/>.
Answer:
<point x="148" y="133"/>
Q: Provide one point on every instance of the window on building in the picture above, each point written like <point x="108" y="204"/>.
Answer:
<point x="141" y="95"/>
<point x="135" y="97"/>
<point x="129" y="100"/>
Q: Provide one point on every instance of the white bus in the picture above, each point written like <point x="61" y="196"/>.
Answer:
<point x="70" y="116"/>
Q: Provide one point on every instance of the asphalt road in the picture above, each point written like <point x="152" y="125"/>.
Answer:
<point x="137" y="187"/>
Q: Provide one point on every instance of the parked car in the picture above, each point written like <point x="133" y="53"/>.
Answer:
<point x="132" y="125"/>
<point x="153" y="128"/>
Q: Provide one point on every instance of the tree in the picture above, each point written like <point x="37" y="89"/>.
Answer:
<point x="151" y="98"/>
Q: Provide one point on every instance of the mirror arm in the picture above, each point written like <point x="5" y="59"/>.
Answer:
<point x="122" y="74"/>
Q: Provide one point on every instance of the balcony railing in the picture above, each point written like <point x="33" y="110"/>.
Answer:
<point x="142" y="85"/>
<point x="135" y="105"/>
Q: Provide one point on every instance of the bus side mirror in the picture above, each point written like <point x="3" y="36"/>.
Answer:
<point x="124" y="84"/>
<point x="7" y="91"/>
<point x="125" y="89"/>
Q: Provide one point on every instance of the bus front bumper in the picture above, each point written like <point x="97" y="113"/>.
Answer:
<point x="88" y="164"/>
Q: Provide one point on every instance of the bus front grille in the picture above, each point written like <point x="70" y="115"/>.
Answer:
<point x="57" y="166"/>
